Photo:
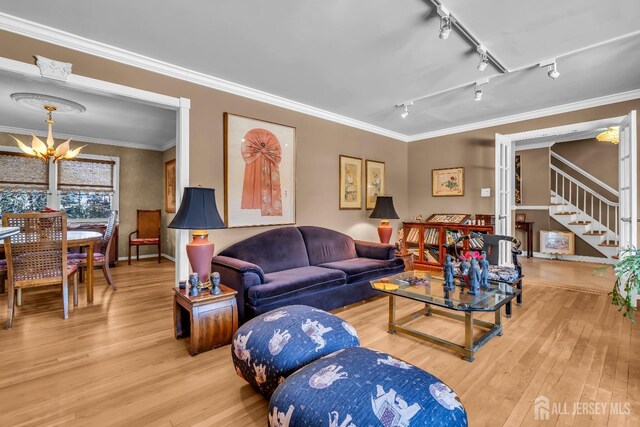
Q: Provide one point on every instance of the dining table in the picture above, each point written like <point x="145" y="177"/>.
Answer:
<point x="83" y="240"/>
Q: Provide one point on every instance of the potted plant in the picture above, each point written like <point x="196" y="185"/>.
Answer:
<point x="627" y="283"/>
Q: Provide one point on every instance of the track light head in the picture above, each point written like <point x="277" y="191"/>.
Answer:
<point x="553" y="72"/>
<point x="405" y="113"/>
<point x="478" y="89"/>
<point x="445" y="27"/>
<point x="552" y="68"/>
<point x="478" y="94"/>
<point x="484" y="61"/>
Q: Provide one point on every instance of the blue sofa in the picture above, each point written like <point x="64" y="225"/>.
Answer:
<point x="302" y="265"/>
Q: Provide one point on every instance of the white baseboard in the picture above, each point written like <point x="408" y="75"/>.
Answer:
<point x="578" y="258"/>
<point x="124" y="258"/>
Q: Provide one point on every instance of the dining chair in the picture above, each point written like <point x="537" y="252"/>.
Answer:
<point x="147" y="233"/>
<point x="37" y="256"/>
<point x="100" y="258"/>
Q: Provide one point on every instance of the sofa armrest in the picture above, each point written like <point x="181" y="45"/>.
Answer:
<point x="238" y="275"/>
<point x="375" y="250"/>
<point x="237" y="265"/>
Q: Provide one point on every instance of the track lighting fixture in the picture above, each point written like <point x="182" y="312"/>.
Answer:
<point x="484" y="58"/>
<point x="478" y="93"/>
<point x="552" y="68"/>
<point x="445" y="27"/>
<point x="478" y="89"/>
<point x="405" y="109"/>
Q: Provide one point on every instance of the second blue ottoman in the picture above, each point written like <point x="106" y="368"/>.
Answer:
<point x="362" y="387"/>
<point x="270" y="347"/>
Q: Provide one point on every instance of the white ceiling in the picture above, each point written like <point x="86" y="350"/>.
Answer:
<point x="108" y="120"/>
<point x="359" y="58"/>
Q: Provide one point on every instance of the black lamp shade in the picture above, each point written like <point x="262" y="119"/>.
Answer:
<point x="384" y="208"/>
<point x="198" y="210"/>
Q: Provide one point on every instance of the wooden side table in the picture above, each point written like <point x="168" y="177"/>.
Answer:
<point x="408" y="260"/>
<point x="210" y="320"/>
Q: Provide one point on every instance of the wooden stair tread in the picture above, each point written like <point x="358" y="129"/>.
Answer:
<point x="609" y="244"/>
<point x="595" y="233"/>
<point x="566" y="213"/>
<point x="615" y="257"/>
<point x="580" y="223"/>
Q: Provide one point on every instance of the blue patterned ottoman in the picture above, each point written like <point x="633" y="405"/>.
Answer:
<point x="272" y="346"/>
<point x="362" y="387"/>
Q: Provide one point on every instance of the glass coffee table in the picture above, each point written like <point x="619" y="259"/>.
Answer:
<point x="458" y="304"/>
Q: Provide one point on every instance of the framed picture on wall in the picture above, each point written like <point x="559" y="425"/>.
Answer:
<point x="557" y="242"/>
<point x="350" y="182"/>
<point x="259" y="171"/>
<point x="518" y="187"/>
<point x="170" y="186"/>
<point x="376" y="183"/>
<point x="447" y="182"/>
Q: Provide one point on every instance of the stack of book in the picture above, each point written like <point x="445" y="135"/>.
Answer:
<point x="431" y="236"/>
<point x="432" y="254"/>
<point x="413" y="235"/>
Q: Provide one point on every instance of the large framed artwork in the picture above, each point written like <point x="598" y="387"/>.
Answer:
<point x="447" y="182"/>
<point x="170" y="186"/>
<point x="376" y="183"/>
<point x="259" y="171"/>
<point x="350" y="182"/>
<point x="557" y="242"/>
<point x="518" y="188"/>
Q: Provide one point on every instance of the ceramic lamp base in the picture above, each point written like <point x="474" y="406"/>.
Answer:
<point x="384" y="232"/>
<point x="200" y="252"/>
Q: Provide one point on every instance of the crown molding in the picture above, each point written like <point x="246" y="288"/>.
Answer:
<point x="169" y="144"/>
<point x="62" y="38"/>
<point x="80" y="138"/>
<point x="544" y="112"/>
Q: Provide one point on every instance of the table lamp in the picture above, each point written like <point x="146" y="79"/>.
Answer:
<point x="384" y="211"/>
<point x="198" y="212"/>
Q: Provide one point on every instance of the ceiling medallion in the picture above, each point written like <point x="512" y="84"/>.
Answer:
<point x="50" y="103"/>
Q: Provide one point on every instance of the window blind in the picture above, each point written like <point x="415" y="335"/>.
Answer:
<point x="19" y="171"/>
<point x="86" y="175"/>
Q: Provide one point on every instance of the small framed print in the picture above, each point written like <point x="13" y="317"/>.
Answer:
<point x="557" y="242"/>
<point x="447" y="182"/>
<point x="170" y="186"/>
<point x="376" y="183"/>
<point x="350" y="193"/>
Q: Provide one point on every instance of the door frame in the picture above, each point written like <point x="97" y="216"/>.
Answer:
<point x="180" y="105"/>
<point x="561" y="132"/>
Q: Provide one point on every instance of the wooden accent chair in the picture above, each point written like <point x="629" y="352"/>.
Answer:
<point x="147" y="233"/>
<point x="101" y="258"/>
<point x="37" y="256"/>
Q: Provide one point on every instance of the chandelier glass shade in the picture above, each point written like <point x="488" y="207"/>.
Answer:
<point x="611" y="135"/>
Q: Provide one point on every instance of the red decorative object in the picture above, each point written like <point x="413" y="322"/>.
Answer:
<point x="262" y="154"/>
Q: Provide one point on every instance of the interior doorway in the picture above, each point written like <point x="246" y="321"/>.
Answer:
<point x="621" y="219"/>
<point x="180" y="107"/>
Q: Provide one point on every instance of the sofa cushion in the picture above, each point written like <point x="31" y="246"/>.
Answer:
<point x="288" y="283"/>
<point x="272" y="346"/>
<point x="358" y="269"/>
<point x="324" y="245"/>
<point x="362" y="387"/>
<point x="273" y="250"/>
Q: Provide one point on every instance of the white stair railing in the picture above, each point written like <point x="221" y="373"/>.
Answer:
<point x="588" y="202"/>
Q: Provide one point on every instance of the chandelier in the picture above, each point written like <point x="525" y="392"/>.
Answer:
<point x="39" y="149"/>
<point x="611" y="135"/>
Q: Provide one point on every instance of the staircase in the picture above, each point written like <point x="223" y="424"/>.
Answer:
<point x="588" y="214"/>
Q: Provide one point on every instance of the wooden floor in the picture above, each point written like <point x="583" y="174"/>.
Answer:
<point x="116" y="361"/>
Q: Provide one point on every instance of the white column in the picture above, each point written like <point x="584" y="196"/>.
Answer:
<point x="182" y="181"/>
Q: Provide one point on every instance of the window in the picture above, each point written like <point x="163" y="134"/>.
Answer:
<point x="86" y="188"/>
<point x="24" y="183"/>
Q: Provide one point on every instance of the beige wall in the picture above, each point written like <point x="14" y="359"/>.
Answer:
<point x="141" y="183"/>
<point x="319" y="142"/>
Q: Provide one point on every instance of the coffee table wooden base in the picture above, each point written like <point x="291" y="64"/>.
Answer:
<point x="210" y="320"/>
<point x="470" y="346"/>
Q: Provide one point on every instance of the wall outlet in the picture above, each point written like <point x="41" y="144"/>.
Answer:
<point x="485" y="192"/>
